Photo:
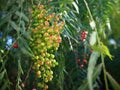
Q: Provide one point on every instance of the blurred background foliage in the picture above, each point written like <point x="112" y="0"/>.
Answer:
<point x="70" y="74"/>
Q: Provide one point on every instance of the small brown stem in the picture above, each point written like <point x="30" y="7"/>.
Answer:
<point x="28" y="74"/>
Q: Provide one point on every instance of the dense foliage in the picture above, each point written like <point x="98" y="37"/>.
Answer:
<point x="59" y="44"/>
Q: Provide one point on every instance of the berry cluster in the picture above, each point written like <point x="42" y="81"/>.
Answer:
<point x="83" y="35"/>
<point x="46" y="30"/>
<point x="81" y="63"/>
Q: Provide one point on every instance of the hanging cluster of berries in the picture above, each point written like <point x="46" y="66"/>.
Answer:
<point x="83" y="35"/>
<point x="46" y="30"/>
<point x="82" y="62"/>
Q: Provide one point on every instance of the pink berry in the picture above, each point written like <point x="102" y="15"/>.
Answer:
<point x="85" y="61"/>
<point x="34" y="89"/>
<point x="78" y="60"/>
<point x="83" y="33"/>
<point x="81" y="66"/>
<point x="15" y="45"/>
<point x="83" y="37"/>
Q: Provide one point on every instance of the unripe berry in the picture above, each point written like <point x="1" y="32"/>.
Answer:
<point x="34" y="89"/>
<point x="48" y="63"/>
<point x="41" y="85"/>
<point x="50" y="78"/>
<point x="46" y="86"/>
<point x="22" y="85"/>
<point x="52" y="56"/>
<point x="59" y="39"/>
<point x="47" y="55"/>
<point x="38" y="65"/>
<point x="46" y="80"/>
<point x="41" y="6"/>
<point x="46" y="23"/>
<point x="38" y="73"/>
<point x="41" y="62"/>
<point x="51" y="72"/>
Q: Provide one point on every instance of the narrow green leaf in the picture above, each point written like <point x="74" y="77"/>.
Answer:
<point x="25" y="47"/>
<point x="5" y="86"/>
<point x="93" y="37"/>
<point x="4" y="20"/>
<point x="27" y="35"/>
<point x="97" y="71"/>
<point x="91" y="66"/>
<point x="19" y="67"/>
<point x="76" y="7"/>
<point x="69" y="34"/>
<point x="7" y="17"/>
<point x="22" y="15"/>
<point x="2" y="74"/>
<point x="26" y="52"/>
<point x="14" y="25"/>
<point x="62" y="2"/>
<point x="113" y="82"/>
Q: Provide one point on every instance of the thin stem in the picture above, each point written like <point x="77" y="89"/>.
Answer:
<point x="91" y="17"/>
<point x="104" y="70"/>
<point x="28" y="74"/>
<point x="32" y="2"/>
<point x="98" y="40"/>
